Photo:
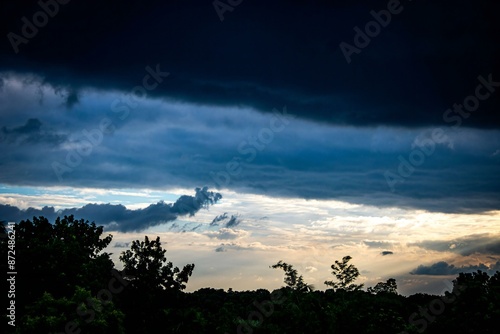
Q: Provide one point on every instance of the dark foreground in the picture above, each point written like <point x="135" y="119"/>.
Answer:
<point x="64" y="283"/>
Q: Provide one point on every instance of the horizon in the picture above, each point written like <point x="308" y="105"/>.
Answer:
<point x="264" y="132"/>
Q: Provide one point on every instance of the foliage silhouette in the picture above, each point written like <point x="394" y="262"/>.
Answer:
<point x="292" y="279"/>
<point x="147" y="264"/>
<point x="63" y="266"/>
<point x="346" y="274"/>
<point x="53" y="261"/>
<point x="388" y="287"/>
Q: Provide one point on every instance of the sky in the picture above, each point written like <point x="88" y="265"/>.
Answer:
<point x="247" y="132"/>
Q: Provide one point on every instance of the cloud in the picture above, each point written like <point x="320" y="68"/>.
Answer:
<point x="384" y="253"/>
<point x="71" y="98"/>
<point x="254" y="246"/>
<point x="190" y="205"/>
<point x="218" y="218"/>
<point x="311" y="269"/>
<point x="227" y="234"/>
<point x="118" y="217"/>
<point x="233" y="221"/>
<point x="480" y="244"/>
<point x="423" y="138"/>
<point x="378" y="244"/>
<point x="122" y="244"/>
<point x="183" y="148"/>
<point x="31" y="132"/>
<point x="220" y="249"/>
<point x="443" y="268"/>
<point x="323" y="88"/>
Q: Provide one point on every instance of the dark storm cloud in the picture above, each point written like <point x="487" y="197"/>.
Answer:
<point x="118" y="217"/>
<point x="480" y="244"/>
<point x="266" y="54"/>
<point x="71" y="98"/>
<point x="443" y="268"/>
<point x="384" y="253"/>
<point x="304" y="160"/>
<point x="30" y="133"/>
<point x="190" y="205"/>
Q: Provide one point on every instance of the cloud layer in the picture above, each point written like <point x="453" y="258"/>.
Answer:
<point x="443" y="268"/>
<point x="118" y="217"/>
<point x="407" y="75"/>
<point x="465" y="246"/>
<point x="163" y="144"/>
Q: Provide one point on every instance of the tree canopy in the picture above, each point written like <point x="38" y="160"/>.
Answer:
<point x="385" y="287"/>
<point x="345" y="274"/>
<point x="147" y="264"/>
<point x="292" y="278"/>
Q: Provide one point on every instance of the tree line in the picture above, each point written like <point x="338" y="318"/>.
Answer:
<point x="67" y="283"/>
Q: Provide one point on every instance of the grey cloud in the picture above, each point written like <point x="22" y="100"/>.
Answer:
<point x="122" y="244"/>
<point x="233" y="221"/>
<point x="118" y="217"/>
<point x="31" y="132"/>
<point x="163" y="157"/>
<point x="189" y="204"/>
<point x="233" y="246"/>
<point x="218" y="218"/>
<point x="443" y="268"/>
<point x="226" y="234"/>
<point x="220" y="249"/>
<point x="482" y="244"/>
<point x="384" y="253"/>
<point x="377" y="244"/>
<point x="195" y="228"/>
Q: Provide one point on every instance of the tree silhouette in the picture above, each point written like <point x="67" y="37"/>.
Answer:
<point x="389" y="287"/>
<point x="155" y="288"/>
<point x="291" y="277"/>
<point x="56" y="261"/>
<point x="66" y="285"/>
<point x="58" y="257"/>
<point x="146" y="263"/>
<point x="346" y="274"/>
